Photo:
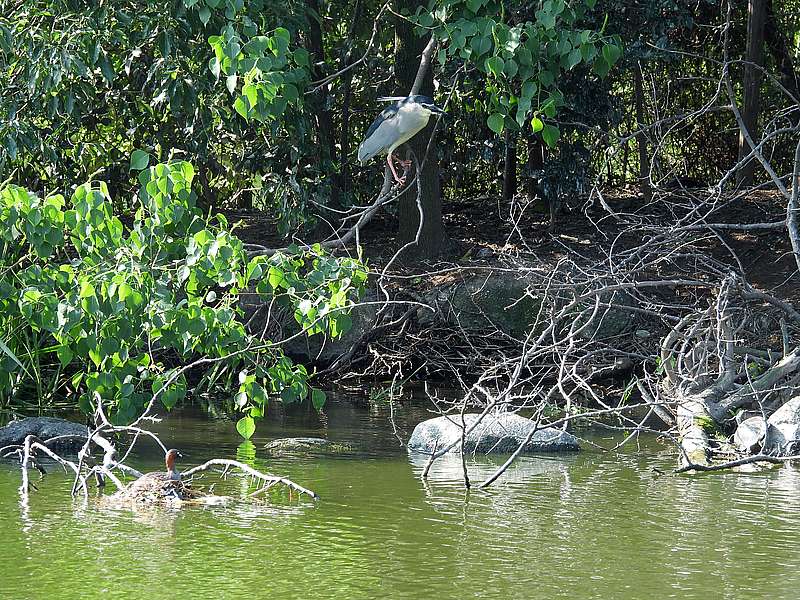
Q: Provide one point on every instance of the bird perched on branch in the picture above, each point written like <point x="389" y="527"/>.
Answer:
<point x="397" y="124"/>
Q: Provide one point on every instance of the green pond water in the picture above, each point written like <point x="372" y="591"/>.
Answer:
<point x="591" y="525"/>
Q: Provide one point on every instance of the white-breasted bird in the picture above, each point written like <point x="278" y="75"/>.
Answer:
<point x="397" y="124"/>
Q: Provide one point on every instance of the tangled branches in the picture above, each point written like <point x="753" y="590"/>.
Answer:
<point x="113" y="462"/>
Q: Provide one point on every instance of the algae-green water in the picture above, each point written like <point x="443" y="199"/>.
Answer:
<point x="590" y="525"/>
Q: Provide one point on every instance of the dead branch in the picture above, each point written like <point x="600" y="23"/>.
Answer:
<point x="268" y="480"/>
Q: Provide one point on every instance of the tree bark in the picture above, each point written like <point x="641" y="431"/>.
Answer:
<point x="408" y="50"/>
<point x="780" y="49"/>
<point x="756" y="21"/>
<point x="510" y="166"/>
<point x="536" y="152"/>
<point x="325" y="129"/>
<point x="347" y="92"/>
<point x="641" y="139"/>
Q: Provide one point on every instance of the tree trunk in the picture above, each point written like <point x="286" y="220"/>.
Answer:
<point x="430" y="235"/>
<point x="536" y="151"/>
<point x="510" y="166"/>
<point x="756" y="20"/>
<point x="325" y="129"/>
<point x="779" y="48"/>
<point x="344" y="134"/>
<point x="641" y="138"/>
<point x="347" y="92"/>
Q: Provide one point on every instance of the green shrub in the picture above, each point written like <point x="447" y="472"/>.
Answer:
<point x="116" y="314"/>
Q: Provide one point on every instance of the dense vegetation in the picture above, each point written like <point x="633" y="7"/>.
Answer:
<point x="255" y="104"/>
<point x="123" y="309"/>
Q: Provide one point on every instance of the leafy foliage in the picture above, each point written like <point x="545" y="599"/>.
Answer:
<point x="112" y="312"/>
<point x="522" y="55"/>
<point x="79" y="82"/>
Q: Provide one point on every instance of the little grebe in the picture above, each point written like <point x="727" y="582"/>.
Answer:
<point x="160" y="486"/>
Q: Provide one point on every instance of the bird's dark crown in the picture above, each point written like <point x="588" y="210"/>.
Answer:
<point x="419" y="99"/>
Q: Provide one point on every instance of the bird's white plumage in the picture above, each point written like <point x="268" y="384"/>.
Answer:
<point x="409" y="120"/>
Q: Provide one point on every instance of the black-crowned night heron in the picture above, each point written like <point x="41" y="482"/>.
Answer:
<point x="396" y="125"/>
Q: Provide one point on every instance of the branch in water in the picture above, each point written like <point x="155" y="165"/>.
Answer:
<point x="267" y="479"/>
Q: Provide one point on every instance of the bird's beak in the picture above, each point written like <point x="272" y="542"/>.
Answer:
<point x="435" y="109"/>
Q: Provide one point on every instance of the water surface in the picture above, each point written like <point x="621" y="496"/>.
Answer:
<point x="592" y="525"/>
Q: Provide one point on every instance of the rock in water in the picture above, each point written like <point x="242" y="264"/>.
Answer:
<point x="750" y="433"/>
<point x="44" y="428"/>
<point x="501" y="433"/>
<point x="302" y="445"/>
<point x="783" y="435"/>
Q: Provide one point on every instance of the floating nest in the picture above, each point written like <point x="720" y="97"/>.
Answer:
<point x="148" y="491"/>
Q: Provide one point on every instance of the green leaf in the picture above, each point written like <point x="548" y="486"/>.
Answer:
<point x="139" y="160"/>
<point x="341" y="325"/>
<point x="550" y="135"/>
<point x="106" y="69"/>
<point x="123" y="291"/>
<point x="318" y="399"/>
<point x="511" y="68"/>
<point x="246" y="427"/>
<point x="529" y="89"/>
<point x="282" y="34"/>
<point x="64" y="355"/>
<point x="537" y="124"/>
<point x="573" y="58"/>
<point x="241" y="107"/>
<point x="171" y="396"/>
<point x="94" y="354"/>
<point x="611" y="53"/>
<point x="495" y="65"/>
<point x="257" y="45"/>
<point x="7" y="351"/>
<point x="251" y="92"/>
<point x="301" y="57"/>
<point x="288" y="395"/>
<point x="215" y="66"/>
<point x="205" y="15"/>
<point x="496" y="122"/>
<point x="109" y="346"/>
<point x="87" y="290"/>
<point x="546" y="78"/>
<point x="276" y="277"/>
<point x="230" y="82"/>
<point x="290" y="92"/>
<point x="601" y="67"/>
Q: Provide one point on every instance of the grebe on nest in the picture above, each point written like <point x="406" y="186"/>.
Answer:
<point x="159" y="487"/>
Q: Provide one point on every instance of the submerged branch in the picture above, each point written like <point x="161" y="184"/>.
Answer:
<point x="266" y="478"/>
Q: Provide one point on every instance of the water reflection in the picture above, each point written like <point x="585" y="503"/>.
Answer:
<point x="448" y="469"/>
<point x="591" y="525"/>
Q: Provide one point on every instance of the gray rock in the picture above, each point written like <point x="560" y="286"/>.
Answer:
<point x="506" y="301"/>
<point x="783" y="432"/>
<point x="499" y="301"/>
<point x="318" y="348"/>
<point x="501" y="433"/>
<point x="44" y="428"/>
<point x="309" y="445"/>
<point x="750" y="433"/>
